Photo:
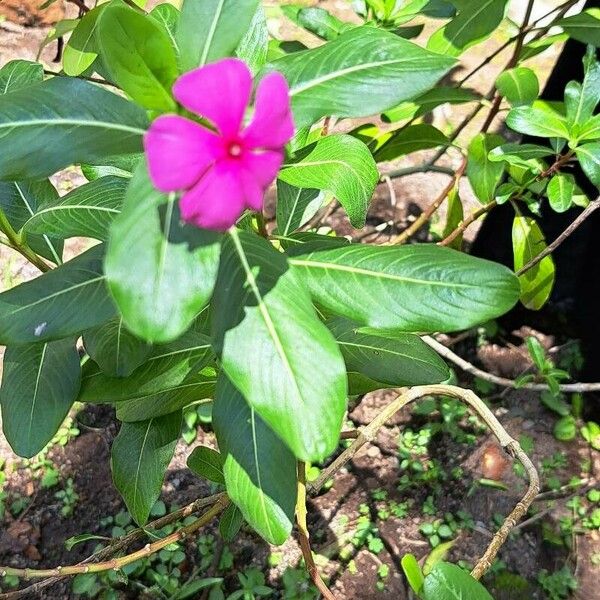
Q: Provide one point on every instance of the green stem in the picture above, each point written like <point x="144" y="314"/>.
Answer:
<point x="14" y="241"/>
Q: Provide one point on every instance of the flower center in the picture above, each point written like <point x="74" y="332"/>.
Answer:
<point x="235" y="149"/>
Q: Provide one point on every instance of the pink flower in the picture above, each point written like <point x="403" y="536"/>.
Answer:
<point x="224" y="172"/>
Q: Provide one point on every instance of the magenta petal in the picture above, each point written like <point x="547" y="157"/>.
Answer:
<point x="264" y="166"/>
<point x="254" y="193"/>
<point x="178" y="152"/>
<point x="272" y="125"/>
<point x="219" y="92"/>
<point x="217" y="200"/>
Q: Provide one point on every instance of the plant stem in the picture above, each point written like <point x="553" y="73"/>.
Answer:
<point x="16" y="243"/>
<point x="464" y="225"/>
<point x="304" y="537"/>
<point x="431" y="209"/>
<point x="503" y="381"/>
<point x="369" y="433"/>
<point x="119" y="563"/>
<point x="589" y="209"/>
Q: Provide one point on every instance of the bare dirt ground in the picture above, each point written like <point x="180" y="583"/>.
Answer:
<point x="35" y="536"/>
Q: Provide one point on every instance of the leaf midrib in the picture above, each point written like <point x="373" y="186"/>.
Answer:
<point x="71" y="122"/>
<point x="377" y="274"/>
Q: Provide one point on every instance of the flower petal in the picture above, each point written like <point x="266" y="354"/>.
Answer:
<point x="272" y="125"/>
<point x="264" y="166"/>
<point x="217" y="200"/>
<point x="178" y="152"/>
<point x="219" y="91"/>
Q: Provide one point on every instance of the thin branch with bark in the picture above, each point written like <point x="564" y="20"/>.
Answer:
<point x="503" y="381"/>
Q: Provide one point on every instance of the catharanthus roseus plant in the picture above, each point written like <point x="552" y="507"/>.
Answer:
<point x="212" y="155"/>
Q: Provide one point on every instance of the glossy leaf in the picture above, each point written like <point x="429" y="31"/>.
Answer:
<point x="208" y="31"/>
<point x="168" y="16"/>
<point x="254" y="46"/>
<point x="589" y="158"/>
<point x="411" y="139"/>
<point x="139" y="56"/>
<point x="519" y="154"/>
<point x="19" y="201"/>
<point x="140" y="456"/>
<point x="17" y="74"/>
<point x="342" y="165"/>
<point x="449" y="582"/>
<point x="584" y="27"/>
<point x="58" y="304"/>
<point x="114" y="349"/>
<point x="231" y="522"/>
<point x="560" y="191"/>
<point x="207" y="463"/>
<point x="87" y="211"/>
<point x="274" y="348"/>
<point x="93" y="124"/>
<point x="425" y="103"/>
<point x="484" y="175"/>
<point x="413" y="572"/>
<point x="421" y="288"/>
<point x="321" y="22"/>
<point x="161" y="272"/>
<point x="259" y="470"/>
<point x="538" y="120"/>
<point x="401" y="360"/>
<point x="519" y="86"/>
<point x="169" y="367"/>
<point x="474" y="22"/>
<point x="362" y="72"/>
<point x="295" y="206"/>
<point x="39" y="385"/>
<point x="581" y="99"/>
<point x="537" y="282"/>
<point x="81" y="51"/>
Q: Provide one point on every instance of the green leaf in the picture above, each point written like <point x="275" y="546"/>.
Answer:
<point x="590" y="130"/>
<point x="19" y="201"/>
<point x="259" y="470"/>
<point x="58" y="304"/>
<point x="449" y="582"/>
<point x="538" y="120"/>
<point x="39" y="384"/>
<point x="565" y="429"/>
<point x="589" y="158"/>
<point x="519" y="86"/>
<point x="117" y="351"/>
<point x="519" y="154"/>
<point x="274" y="348"/>
<point x="71" y="542"/>
<point x="425" y="287"/>
<point x="197" y="390"/>
<point x="168" y="16"/>
<point x="139" y="56"/>
<point x="254" y="46"/>
<point x="207" y="463"/>
<point x="87" y="211"/>
<point x="80" y="51"/>
<point x="484" y="175"/>
<point x="560" y="192"/>
<point x="411" y="139"/>
<point x="584" y="27"/>
<point x="169" y="367"/>
<point x="231" y="522"/>
<point x="474" y="22"/>
<point x="454" y="217"/>
<point x="295" y="206"/>
<point x="362" y="72"/>
<point x="426" y="102"/>
<point x="17" y="74"/>
<point x="401" y="360"/>
<point x="160" y="271"/>
<point x="211" y="30"/>
<point x="539" y="45"/>
<point x="320" y="22"/>
<point x="92" y="124"/>
<point x="581" y="99"/>
<point x="140" y="456"/>
<point x="342" y="165"/>
<point x="413" y="572"/>
<point x="528" y="241"/>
